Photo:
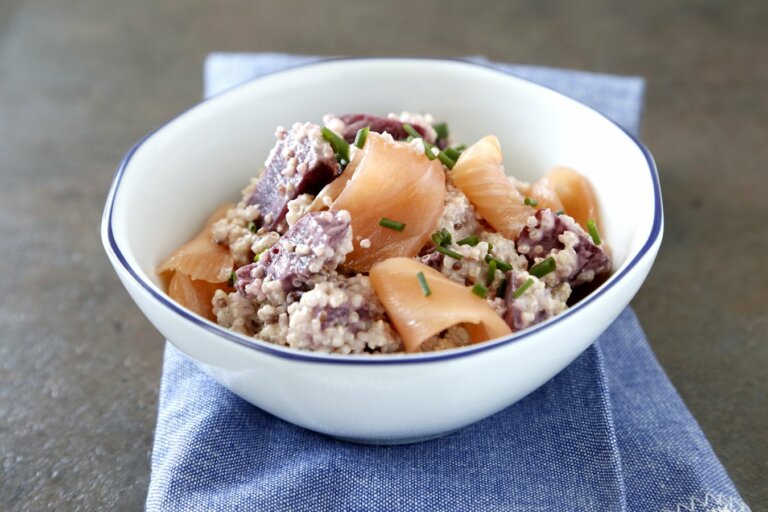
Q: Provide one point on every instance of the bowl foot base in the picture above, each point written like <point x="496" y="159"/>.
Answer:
<point x="394" y="442"/>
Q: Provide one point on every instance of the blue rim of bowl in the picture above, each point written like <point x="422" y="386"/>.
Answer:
<point x="390" y="359"/>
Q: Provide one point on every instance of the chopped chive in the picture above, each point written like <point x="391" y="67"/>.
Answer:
<point x="490" y="247"/>
<point x="448" y="252"/>
<point x="428" y="150"/>
<point x="527" y="284"/>
<point x="543" y="267"/>
<point x="410" y="138"/>
<point x="232" y="279"/>
<point x="423" y="283"/>
<point x="593" y="231"/>
<point x="460" y="147"/>
<point x="441" y="129"/>
<point x="413" y="134"/>
<point x="480" y="290"/>
<point x="501" y="265"/>
<point x="446" y="236"/>
<point x="252" y="227"/>
<point x="491" y="273"/>
<point x="447" y="161"/>
<point x="452" y="153"/>
<point x="442" y="237"/>
<point x="502" y="288"/>
<point x="531" y="201"/>
<point x="560" y="212"/>
<point x="339" y="145"/>
<point x="391" y="224"/>
<point x="471" y="240"/>
<point x="257" y="256"/>
<point x="362" y="134"/>
<point x="411" y="131"/>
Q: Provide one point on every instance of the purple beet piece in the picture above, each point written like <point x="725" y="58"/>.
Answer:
<point x="332" y="317"/>
<point x="317" y="242"/>
<point x="433" y="260"/>
<point x="245" y="275"/>
<point x="540" y="241"/>
<point x="301" y="162"/>
<point x="592" y="260"/>
<point x="323" y="236"/>
<point x="355" y="122"/>
<point x="533" y="303"/>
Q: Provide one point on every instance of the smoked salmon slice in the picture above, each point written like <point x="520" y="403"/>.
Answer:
<point x="544" y="192"/>
<point x="573" y="190"/>
<point x="194" y="295"/>
<point x="392" y="180"/>
<point x="333" y="190"/>
<point x="479" y="174"/>
<point x="201" y="258"/>
<point x="417" y="316"/>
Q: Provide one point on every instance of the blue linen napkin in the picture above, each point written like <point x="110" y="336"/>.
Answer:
<point x="609" y="433"/>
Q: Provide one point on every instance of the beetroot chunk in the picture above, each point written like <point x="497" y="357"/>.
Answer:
<point x="579" y="260"/>
<point x="536" y="304"/>
<point x="433" y="260"/>
<point x="355" y="122"/>
<point x="245" y="275"/>
<point x="301" y="162"/>
<point x="317" y="243"/>
<point x="538" y="241"/>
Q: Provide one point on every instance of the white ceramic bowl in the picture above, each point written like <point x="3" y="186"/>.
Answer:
<point x="172" y="179"/>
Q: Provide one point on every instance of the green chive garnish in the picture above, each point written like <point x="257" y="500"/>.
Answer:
<point x="423" y="283"/>
<point x="452" y="153"/>
<point x="543" y="267"/>
<point x="460" y="147"/>
<point x="502" y="288"/>
<point x="252" y="227"/>
<point x="471" y="240"/>
<point x="257" y="256"/>
<point x="411" y="131"/>
<point x="527" y="284"/>
<point x="428" y="150"/>
<point x="391" y="224"/>
<point x="560" y="212"/>
<point x="480" y="290"/>
<point x="491" y="273"/>
<point x="593" y="231"/>
<point x="501" y="265"/>
<point x="339" y="145"/>
<point x="416" y="135"/>
<point x="448" y="252"/>
<point x="362" y="134"/>
<point x="447" y="161"/>
<point x="441" y="129"/>
<point x="531" y="201"/>
<point x="232" y="279"/>
<point x="442" y="237"/>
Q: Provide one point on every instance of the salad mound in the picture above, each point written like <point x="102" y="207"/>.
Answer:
<point x="379" y="235"/>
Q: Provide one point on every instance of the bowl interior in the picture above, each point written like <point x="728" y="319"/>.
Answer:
<point x="181" y="173"/>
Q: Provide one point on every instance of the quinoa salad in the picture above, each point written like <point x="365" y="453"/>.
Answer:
<point x="381" y="235"/>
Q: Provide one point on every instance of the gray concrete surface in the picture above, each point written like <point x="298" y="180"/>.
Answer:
<point x="81" y="80"/>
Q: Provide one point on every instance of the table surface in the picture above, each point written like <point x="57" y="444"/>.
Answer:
<point x="81" y="80"/>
